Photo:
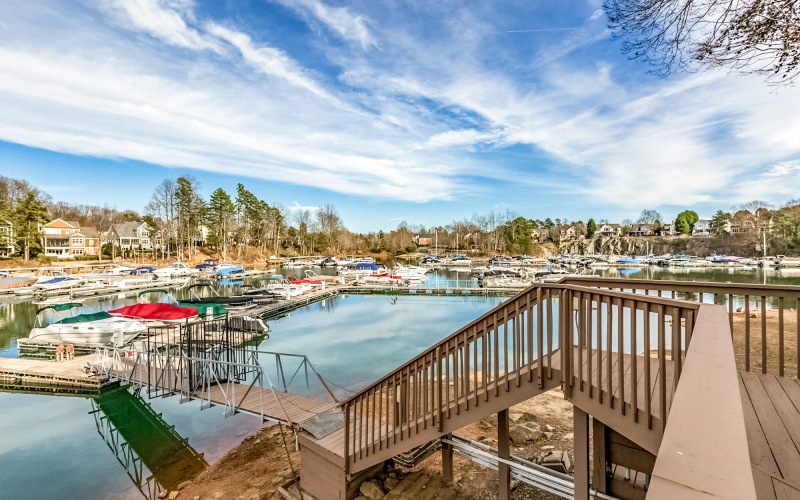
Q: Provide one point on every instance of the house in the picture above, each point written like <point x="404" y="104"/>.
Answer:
<point x="134" y="235"/>
<point x="746" y="222"/>
<point x="702" y="228"/>
<point x="609" y="230"/>
<point x="66" y="240"/>
<point x="568" y="233"/>
<point x="423" y="240"/>
<point x="6" y="239"/>
<point x="668" y="229"/>
<point x="641" y="230"/>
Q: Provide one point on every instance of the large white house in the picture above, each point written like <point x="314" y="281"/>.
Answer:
<point x="606" y="230"/>
<point x="6" y="239"/>
<point x="66" y="240"/>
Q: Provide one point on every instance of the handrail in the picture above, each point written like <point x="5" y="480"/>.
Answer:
<point x="755" y="335"/>
<point x="698" y="453"/>
<point x="519" y="339"/>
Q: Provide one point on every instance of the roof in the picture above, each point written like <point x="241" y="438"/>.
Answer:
<point x="127" y="229"/>
<point x="60" y="223"/>
<point x="89" y="232"/>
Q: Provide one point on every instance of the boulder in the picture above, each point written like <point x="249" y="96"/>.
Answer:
<point x="522" y="433"/>
<point x="390" y="483"/>
<point x="371" y="490"/>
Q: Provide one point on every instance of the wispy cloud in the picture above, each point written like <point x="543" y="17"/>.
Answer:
<point x="340" y="20"/>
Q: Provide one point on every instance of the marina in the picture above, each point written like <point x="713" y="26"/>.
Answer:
<point x="292" y="333"/>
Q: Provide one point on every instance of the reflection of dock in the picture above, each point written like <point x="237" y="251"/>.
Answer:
<point x="154" y="455"/>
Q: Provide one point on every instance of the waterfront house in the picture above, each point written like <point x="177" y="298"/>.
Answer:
<point x="747" y="222"/>
<point x="423" y="240"/>
<point x="668" y="229"/>
<point x="6" y="239"/>
<point x="609" y="230"/>
<point x="641" y="230"/>
<point x="702" y="228"/>
<point x="66" y="240"/>
<point x="134" y="236"/>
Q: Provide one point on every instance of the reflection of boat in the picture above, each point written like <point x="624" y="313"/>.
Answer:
<point x="630" y="270"/>
<point x="154" y="455"/>
<point x="72" y="322"/>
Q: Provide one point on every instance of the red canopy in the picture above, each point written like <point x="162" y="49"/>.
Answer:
<point x="155" y="311"/>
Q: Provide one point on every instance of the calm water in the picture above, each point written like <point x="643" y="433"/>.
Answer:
<point x="55" y="446"/>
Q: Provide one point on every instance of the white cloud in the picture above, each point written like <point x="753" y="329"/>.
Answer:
<point x="340" y="20"/>
<point x="162" y="19"/>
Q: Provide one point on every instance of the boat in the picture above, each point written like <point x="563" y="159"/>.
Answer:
<point x="59" y="283"/>
<point x="784" y="261"/>
<point x="360" y="269"/>
<point x="431" y="260"/>
<point x="458" y="260"/>
<point x="142" y="270"/>
<point x="412" y="274"/>
<point x="8" y="282"/>
<point x="159" y="312"/>
<point x="175" y="269"/>
<point x="72" y="322"/>
<point x="208" y="265"/>
<point x="228" y="270"/>
<point x="381" y="279"/>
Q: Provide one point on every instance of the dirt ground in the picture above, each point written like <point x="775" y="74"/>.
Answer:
<point x="259" y="465"/>
<point x="773" y="340"/>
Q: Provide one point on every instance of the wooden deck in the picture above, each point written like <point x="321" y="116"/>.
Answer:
<point x="50" y="373"/>
<point x="280" y="406"/>
<point x="772" y="417"/>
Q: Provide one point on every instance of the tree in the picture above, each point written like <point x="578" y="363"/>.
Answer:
<point x="591" y="228"/>
<point x="648" y="217"/>
<point x="749" y="36"/>
<point x="219" y="216"/>
<point x="720" y="221"/>
<point x="518" y="235"/>
<point x="330" y="224"/>
<point x="27" y="217"/>
<point x="684" y="222"/>
<point x="163" y="208"/>
<point x="189" y="211"/>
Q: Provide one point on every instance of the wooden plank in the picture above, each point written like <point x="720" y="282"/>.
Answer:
<point x="792" y="388"/>
<point x="763" y="483"/>
<point x="786" y="457"/>
<point x="788" y="414"/>
<point x="785" y="491"/>
<point x="760" y="454"/>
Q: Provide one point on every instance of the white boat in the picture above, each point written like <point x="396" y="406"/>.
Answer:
<point x="458" y="260"/>
<point x="58" y="283"/>
<point x="71" y="322"/>
<point x="382" y="279"/>
<point x="412" y="274"/>
<point x="784" y="261"/>
<point x="175" y="269"/>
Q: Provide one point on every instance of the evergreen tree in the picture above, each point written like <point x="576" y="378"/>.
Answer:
<point x="27" y="217"/>
<point x="219" y="216"/>
<point x="591" y="228"/>
<point x="719" y="221"/>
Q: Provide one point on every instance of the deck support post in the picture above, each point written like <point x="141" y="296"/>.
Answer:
<point x="503" y="451"/>
<point x="600" y="455"/>
<point x="447" y="459"/>
<point x="580" y="421"/>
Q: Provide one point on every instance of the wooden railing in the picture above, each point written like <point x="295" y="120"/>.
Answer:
<point x="619" y="346"/>
<point x="763" y="319"/>
<point x="518" y="342"/>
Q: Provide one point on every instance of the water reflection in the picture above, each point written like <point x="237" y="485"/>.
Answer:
<point x="153" y="454"/>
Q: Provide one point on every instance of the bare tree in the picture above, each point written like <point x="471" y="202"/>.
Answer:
<point x="749" y="36"/>
<point x="163" y="207"/>
<point x="329" y="223"/>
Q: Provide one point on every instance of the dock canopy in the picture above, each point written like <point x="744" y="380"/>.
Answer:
<point x="162" y="312"/>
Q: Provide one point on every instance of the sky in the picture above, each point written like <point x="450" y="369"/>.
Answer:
<point x="404" y="110"/>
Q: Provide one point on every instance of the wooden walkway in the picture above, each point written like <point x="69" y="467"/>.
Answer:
<point x="279" y="406"/>
<point x="772" y="417"/>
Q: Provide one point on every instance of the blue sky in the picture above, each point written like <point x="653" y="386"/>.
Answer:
<point x="414" y="110"/>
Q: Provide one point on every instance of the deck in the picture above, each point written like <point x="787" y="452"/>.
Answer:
<point x="772" y="418"/>
<point x="68" y="374"/>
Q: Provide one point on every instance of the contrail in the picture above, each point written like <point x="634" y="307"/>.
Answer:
<point x="541" y="29"/>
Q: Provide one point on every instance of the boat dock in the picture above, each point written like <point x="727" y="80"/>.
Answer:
<point x="36" y="373"/>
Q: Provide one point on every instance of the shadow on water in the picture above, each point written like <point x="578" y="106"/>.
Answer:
<point x="153" y="455"/>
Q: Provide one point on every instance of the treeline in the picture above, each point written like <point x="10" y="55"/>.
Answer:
<point x="231" y="223"/>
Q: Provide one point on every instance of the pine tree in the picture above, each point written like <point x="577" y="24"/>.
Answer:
<point x="27" y="218"/>
<point x="219" y="216"/>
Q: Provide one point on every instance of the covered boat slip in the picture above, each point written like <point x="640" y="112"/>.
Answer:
<point x="655" y="377"/>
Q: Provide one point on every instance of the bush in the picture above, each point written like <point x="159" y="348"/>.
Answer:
<point x="87" y="257"/>
<point x="45" y="259"/>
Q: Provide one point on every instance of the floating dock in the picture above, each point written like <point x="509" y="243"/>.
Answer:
<point x="15" y="372"/>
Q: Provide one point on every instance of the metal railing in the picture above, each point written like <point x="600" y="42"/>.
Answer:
<point x="518" y="342"/>
<point x="760" y="316"/>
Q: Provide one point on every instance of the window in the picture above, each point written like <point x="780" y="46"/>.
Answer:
<point x="77" y="242"/>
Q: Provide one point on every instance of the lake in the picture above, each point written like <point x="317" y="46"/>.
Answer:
<point x="71" y="446"/>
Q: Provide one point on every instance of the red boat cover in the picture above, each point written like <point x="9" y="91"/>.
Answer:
<point x="155" y="311"/>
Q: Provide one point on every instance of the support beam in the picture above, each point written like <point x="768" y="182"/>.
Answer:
<point x="581" y="453"/>
<point x="447" y="459"/>
<point x="600" y="456"/>
<point x="503" y="451"/>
